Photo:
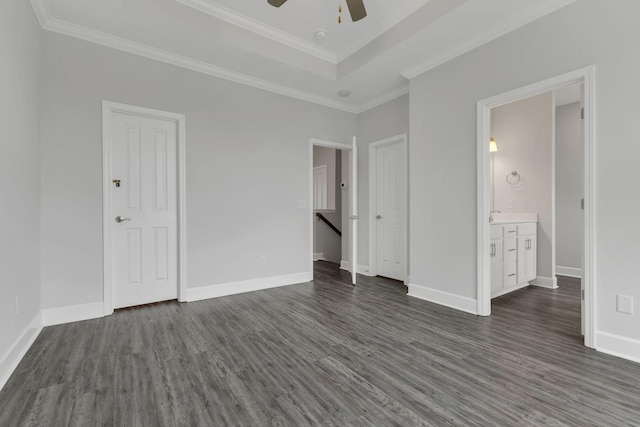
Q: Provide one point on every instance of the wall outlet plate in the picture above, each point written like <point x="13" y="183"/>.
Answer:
<point x="624" y="304"/>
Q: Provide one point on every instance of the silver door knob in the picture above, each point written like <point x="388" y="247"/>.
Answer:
<point x="378" y="216"/>
<point x="120" y="218"/>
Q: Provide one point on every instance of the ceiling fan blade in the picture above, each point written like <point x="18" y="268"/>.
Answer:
<point x="276" y="3"/>
<point x="356" y="9"/>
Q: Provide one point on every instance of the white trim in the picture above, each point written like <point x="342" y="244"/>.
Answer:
<point x="545" y="282"/>
<point x="257" y="27"/>
<point x="568" y="271"/>
<point x="616" y="345"/>
<point x="41" y="10"/>
<point x="436" y="296"/>
<point x="509" y="290"/>
<point x="108" y="108"/>
<point x="384" y="98"/>
<point x="72" y="313"/>
<point x="587" y="77"/>
<point x="362" y="269"/>
<point x="319" y="256"/>
<point x="14" y="354"/>
<point x="373" y="234"/>
<point x="115" y="42"/>
<point x="225" y="289"/>
<point x="319" y="143"/>
<point x="491" y="33"/>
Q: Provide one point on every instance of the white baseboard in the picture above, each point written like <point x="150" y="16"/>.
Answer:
<point x="616" y="345"/>
<point x="319" y="256"/>
<point x="224" y="289"/>
<point x="16" y="352"/>
<point x="506" y="291"/>
<point x="569" y="271"/>
<point x="72" y="313"/>
<point x="465" y="304"/>
<point x="545" y="282"/>
<point x="362" y="269"/>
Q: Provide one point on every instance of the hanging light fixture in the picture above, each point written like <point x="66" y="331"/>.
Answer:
<point x="493" y="147"/>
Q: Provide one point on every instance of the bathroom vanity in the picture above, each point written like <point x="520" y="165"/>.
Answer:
<point x="512" y="254"/>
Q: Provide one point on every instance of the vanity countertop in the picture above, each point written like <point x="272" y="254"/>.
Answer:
<point x="513" y="217"/>
<point x="510" y="221"/>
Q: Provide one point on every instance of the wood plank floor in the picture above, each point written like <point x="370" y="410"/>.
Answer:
<point x="325" y="353"/>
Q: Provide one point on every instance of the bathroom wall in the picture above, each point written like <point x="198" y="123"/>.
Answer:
<point x="523" y="131"/>
<point x="569" y="189"/>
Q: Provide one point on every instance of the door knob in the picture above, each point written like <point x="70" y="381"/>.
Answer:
<point x="120" y="218"/>
<point x="378" y="216"/>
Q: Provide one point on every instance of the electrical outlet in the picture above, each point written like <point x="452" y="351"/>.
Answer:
<point x="262" y="260"/>
<point x="17" y="304"/>
<point x="624" y="304"/>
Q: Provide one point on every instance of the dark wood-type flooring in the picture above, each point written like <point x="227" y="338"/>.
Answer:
<point x="325" y="353"/>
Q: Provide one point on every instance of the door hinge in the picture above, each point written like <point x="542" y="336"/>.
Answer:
<point x="582" y="113"/>
<point x="582" y="293"/>
<point x="582" y="204"/>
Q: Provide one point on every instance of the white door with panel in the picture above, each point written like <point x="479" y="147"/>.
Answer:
<point x="143" y="210"/>
<point x="390" y="214"/>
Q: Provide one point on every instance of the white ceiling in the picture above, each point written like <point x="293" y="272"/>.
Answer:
<point x="271" y="48"/>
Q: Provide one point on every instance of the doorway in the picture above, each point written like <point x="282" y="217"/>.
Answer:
<point x="388" y="219"/>
<point x="143" y="206"/>
<point x="586" y="78"/>
<point x="323" y="198"/>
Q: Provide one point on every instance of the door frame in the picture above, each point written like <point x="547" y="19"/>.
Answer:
<point x="108" y="109"/>
<point x="320" y="143"/>
<point x="586" y="76"/>
<point x="373" y="230"/>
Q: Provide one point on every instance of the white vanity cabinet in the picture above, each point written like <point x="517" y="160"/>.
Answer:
<point x="513" y="256"/>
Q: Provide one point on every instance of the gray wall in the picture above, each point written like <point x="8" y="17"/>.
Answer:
<point x="523" y="131"/>
<point x="326" y="240"/>
<point x="387" y="120"/>
<point x="443" y="146"/>
<point x="247" y="156"/>
<point x="569" y="186"/>
<point x="19" y="171"/>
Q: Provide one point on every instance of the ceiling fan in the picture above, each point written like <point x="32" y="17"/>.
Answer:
<point x="356" y="8"/>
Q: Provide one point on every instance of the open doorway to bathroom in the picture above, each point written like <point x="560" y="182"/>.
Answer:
<point x="535" y="217"/>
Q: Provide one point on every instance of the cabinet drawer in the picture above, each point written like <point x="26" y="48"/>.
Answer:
<point x="509" y="278"/>
<point x="509" y="230"/>
<point x="496" y="231"/>
<point x="527" y="228"/>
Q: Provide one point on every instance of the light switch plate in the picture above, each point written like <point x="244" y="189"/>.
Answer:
<point x="510" y="203"/>
<point x="624" y="304"/>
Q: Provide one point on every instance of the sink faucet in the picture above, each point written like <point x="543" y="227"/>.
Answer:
<point x="491" y="215"/>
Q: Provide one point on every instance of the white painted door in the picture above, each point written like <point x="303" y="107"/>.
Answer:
<point x="144" y="210"/>
<point x="354" y="211"/>
<point x="390" y="212"/>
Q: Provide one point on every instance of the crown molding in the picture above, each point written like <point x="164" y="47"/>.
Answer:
<point x="485" y="37"/>
<point x="109" y="40"/>
<point x="259" y="28"/>
<point x="41" y="10"/>
<point x="389" y="96"/>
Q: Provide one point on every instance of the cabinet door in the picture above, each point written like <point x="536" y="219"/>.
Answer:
<point x="531" y="259"/>
<point x="495" y="252"/>
<point x="509" y="266"/>
<point x="523" y="244"/>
